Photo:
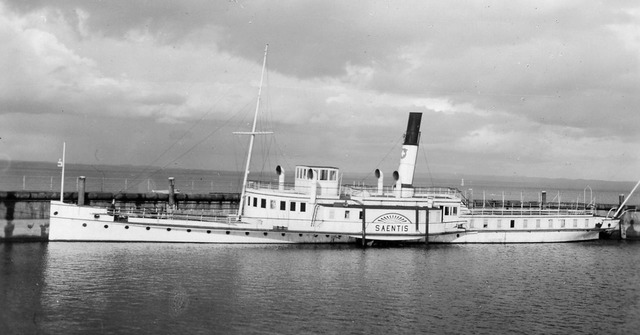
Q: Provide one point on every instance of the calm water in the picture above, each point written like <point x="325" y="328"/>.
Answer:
<point x="578" y="288"/>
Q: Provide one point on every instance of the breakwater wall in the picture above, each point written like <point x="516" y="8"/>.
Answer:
<point x="24" y="216"/>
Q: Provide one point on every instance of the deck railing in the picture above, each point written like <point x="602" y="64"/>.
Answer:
<point x="226" y="216"/>
<point x="530" y="211"/>
<point x="359" y="190"/>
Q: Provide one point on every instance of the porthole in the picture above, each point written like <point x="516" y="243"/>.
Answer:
<point x="315" y="235"/>
<point x="208" y="231"/>
<point x="246" y="233"/>
<point x="300" y="235"/>
<point x="188" y="230"/>
<point x="55" y="213"/>
<point x="148" y="228"/>
<point x="265" y="234"/>
<point x="106" y="226"/>
<point x="126" y="227"/>
<point x="228" y="232"/>
<point x="168" y="229"/>
<point x="84" y="224"/>
<point x="97" y="216"/>
<point x="457" y="235"/>
<point x="326" y="235"/>
<point x="283" y="234"/>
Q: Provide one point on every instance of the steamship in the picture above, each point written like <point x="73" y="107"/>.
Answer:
<point x="317" y="208"/>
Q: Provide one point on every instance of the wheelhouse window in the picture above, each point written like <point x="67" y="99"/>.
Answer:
<point x="283" y="206"/>
<point x="292" y="206"/>
<point x="263" y="203"/>
<point x="346" y="214"/>
<point x="255" y="202"/>
<point x="512" y="224"/>
<point x="303" y="207"/>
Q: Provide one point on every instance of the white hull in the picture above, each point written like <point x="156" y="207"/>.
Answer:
<point x="69" y="222"/>
<point x="509" y="236"/>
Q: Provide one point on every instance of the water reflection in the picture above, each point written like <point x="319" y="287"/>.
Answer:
<point x="132" y="288"/>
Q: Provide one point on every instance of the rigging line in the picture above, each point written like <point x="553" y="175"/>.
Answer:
<point x="393" y="147"/>
<point x="225" y="123"/>
<point x="424" y="153"/>
<point x="195" y="124"/>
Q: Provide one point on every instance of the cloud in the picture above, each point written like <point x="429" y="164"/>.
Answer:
<point x="521" y="84"/>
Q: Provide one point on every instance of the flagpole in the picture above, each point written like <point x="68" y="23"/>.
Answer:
<point x="61" y="164"/>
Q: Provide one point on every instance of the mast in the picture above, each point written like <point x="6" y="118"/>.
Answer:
<point x="252" y="134"/>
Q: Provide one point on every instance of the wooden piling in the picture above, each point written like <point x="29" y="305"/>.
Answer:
<point x="364" y="228"/>
<point x="426" y="229"/>
<point x="172" y="195"/>
<point x="81" y="190"/>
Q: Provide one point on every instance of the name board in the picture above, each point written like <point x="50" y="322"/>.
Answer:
<point x="391" y="222"/>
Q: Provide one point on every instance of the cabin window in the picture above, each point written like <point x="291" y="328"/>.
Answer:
<point x="550" y="223"/>
<point x="292" y="206"/>
<point x="323" y="174"/>
<point x="446" y="210"/>
<point x="332" y="175"/>
<point x="283" y="206"/>
<point x="485" y="223"/>
<point x="346" y="214"/>
<point x="303" y="207"/>
<point x="263" y="203"/>
<point x="455" y="210"/>
<point x="575" y="223"/>
<point x="562" y="223"/>
<point x="512" y="224"/>
<point x="361" y="215"/>
<point x="273" y="204"/>
<point x="524" y="223"/>
<point x="586" y="223"/>
<point x="499" y="223"/>
<point x="537" y="223"/>
<point x="255" y="202"/>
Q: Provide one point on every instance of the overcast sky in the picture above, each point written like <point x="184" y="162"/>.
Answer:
<point x="516" y="88"/>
